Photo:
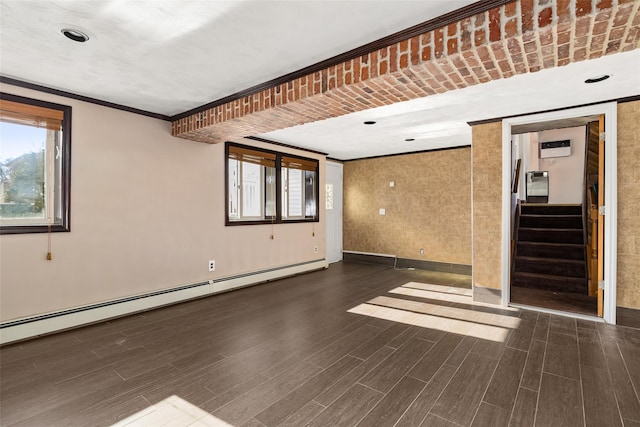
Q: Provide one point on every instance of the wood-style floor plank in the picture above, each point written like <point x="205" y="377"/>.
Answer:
<point x="341" y="386"/>
<point x="461" y="398"/>
<point x="490" y="415"/>
<point x="562" y="356"/>
<point x="349" y="408"/>
<point x="264" y="395"/>
<point x="290" y="353"/>
<point x="524" y="411"/>
<point x="420" y="407"/>
<point x="533" y="366"/>
<point x="393" y="405"/>
<point x="560" y="402"/>
<point x="504" y="385"/>
<point x="299" y="397"/>
<point x="599" y="398"/>
<point x="392" y="369"/>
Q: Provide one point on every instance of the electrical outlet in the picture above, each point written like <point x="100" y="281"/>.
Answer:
<point x="315" y="249"/>
<point x="212" y="265"/>
<point x="421" y="251"/>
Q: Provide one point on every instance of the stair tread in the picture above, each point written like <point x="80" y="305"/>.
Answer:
<point x="551" y="229"/>
<point x="550" y="244"/>
<point x="549" y="276"/>
<point x="551" y="215"/>
<point x="543" y="208"/>
<point x="549" y="260"/>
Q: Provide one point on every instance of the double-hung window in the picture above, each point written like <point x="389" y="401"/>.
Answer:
<point x="266" y="186"/>
<point x="298" y="188"/>
<point x="35" y="159"/>
<point x="251" y="184"/>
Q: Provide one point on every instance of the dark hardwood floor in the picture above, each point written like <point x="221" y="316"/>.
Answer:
<point x="554" y="300"/>
<point x="311" y="350"/>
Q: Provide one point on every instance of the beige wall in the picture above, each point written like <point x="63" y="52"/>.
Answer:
<point x="629" y="205"/>
<point x="566" y="174"/>
<point x="429" y="207"/>
<point x="487" y="204"/>
<point x="147" y="213"/>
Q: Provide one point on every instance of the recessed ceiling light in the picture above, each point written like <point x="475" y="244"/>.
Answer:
<point x="369" y="122"/>
<point x="597" y="79"/>
<point x="75" y="35"/>
<point x="410" y="139"/>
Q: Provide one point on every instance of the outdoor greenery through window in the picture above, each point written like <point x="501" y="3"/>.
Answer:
<point x="270" y="187"/>
<point x="34" y="165"/>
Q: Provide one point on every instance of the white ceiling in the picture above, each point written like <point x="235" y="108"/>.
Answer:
<point x="440" y="121"/>
<point x="174" y="55"/>
<point x="170" y="56"/>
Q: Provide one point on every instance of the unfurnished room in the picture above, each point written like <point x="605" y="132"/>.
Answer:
<point x="257" y="213"/>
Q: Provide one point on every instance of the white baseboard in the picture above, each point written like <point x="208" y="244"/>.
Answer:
<point x="33" y="326"/>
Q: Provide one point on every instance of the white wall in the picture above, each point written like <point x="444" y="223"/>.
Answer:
<point x="147" y="213"/>
<point x="566" y="174"/>
<point x="521" y="148"/>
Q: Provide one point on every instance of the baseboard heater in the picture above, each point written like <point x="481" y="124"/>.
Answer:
<point x="33" y="326"/>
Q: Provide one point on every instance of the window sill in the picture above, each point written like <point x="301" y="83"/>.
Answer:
<point x="29" y="229"/>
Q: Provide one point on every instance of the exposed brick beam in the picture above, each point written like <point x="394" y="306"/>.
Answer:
<point x="519" y="37"/>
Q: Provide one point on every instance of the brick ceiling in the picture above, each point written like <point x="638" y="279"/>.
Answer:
<point x="519" y="37"/>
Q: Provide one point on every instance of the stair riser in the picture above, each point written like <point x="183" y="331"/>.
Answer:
<point x="550" y="236"/>
<point x="567" y="269"/>
<point x="550" y="284"/>
<point x="551" y="222"/>
<point x="562" y="252"/>
<point x="550" y="210"/>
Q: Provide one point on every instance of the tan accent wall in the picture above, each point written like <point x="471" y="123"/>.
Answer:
<point x="429" y="206"/>
<point x="628" y="284"/>
<point x="487" y="204"/>
<point x="147" y="213"/>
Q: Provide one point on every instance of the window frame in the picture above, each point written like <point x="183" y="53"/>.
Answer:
<point x="64" y="224"/>
<point x="277" y="219"/>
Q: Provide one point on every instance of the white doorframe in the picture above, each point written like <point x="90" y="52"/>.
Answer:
<point x="334" y="216"/>
<point x="610" y="195"/>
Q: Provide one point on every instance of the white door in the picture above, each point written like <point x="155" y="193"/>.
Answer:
<point x="333" y="211"/>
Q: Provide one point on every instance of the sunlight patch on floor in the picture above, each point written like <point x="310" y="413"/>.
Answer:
<point x="438" y="313"/>
<point x="439" y="288"/>
<point x="490" y="319"/>
<point x="441" y="296"/>
<point x="461" y="327"/>
<point x="172" y="411"/>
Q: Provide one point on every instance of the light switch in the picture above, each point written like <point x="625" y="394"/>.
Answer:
<point x="392" y="184"/>
<point x="382" y="211"/>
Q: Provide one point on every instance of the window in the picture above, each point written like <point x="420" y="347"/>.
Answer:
<point x="35" y="151"/>
<point x="269" y="187"/>
<point x="251" y="184"/>
<point x="328" y="192"/>
<point x="298" y="188"/>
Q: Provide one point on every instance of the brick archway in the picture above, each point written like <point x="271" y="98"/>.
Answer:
<point x="522" y="36"/>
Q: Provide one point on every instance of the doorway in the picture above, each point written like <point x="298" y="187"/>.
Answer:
<point x="333" y="204"/>
<point x="549" y="263"/>
<point x="555" y="120"/>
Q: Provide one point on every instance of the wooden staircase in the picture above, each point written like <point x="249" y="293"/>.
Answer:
<point x="550" y="249"/>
